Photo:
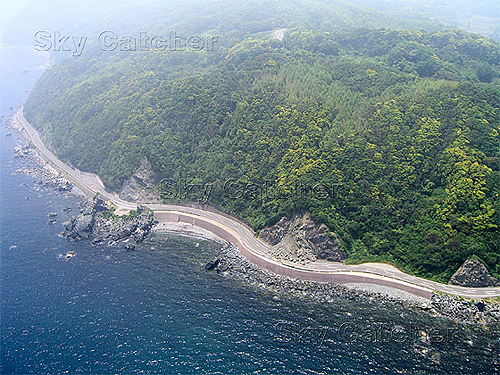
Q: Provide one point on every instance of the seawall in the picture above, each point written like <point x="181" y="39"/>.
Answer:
<point x="231" y="236"/>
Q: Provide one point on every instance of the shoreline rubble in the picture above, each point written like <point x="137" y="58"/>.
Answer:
<point x="90" y="225"/>
<point x="230" y="263"/>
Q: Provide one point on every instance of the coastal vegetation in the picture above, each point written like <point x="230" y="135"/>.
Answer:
<point x="403" y="123"/>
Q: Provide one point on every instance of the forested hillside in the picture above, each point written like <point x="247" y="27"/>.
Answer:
<point x="403" y="124"/>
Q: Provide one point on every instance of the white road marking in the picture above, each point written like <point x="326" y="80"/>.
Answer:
<point x="248" y="238"/>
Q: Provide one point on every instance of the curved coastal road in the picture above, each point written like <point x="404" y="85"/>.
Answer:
<point x="249" y="245"/>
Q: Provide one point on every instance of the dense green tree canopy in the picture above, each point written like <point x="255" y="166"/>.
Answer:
<point x="390" y="137"/>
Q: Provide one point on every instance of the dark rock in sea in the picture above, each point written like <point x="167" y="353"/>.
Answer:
<point x="212" y="264"/>
<point x="130" y="247"/>
<point x="98" y="241"/>
<point x="55" y="183"/>
<point x="68" y="255"/>
<point x="300" y="239"/>
<point x="21" y="151"/>
<point x="473" y="273"/>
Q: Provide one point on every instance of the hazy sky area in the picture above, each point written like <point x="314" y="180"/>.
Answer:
<point x="21" y="19"/>
<point x="10" y="11"/>
<point x="476" y="16"/>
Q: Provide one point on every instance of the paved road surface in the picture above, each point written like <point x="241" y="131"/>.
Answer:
<point x="254" y="248"/>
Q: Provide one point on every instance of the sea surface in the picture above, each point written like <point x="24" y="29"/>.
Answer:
<point x="156" y="310"/>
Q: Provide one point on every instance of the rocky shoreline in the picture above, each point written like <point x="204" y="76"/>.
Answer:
<point x="230" y="263"/>
<point x="45" y="176"/>
<point x="93" y="224"/>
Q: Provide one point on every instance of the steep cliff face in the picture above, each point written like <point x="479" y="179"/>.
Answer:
<point x="300" y="240"/>
<point x="140" y="187"/>
<point x="474" y="273"/>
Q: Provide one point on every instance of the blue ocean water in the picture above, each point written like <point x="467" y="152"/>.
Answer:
<point x="157" y="311"/>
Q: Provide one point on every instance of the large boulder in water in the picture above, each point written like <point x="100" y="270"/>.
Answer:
<point x="473" y="273"/>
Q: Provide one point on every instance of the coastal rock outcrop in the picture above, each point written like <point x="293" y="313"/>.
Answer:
<point x="300" y="240"/>
<point x="81" y="226"/>
<point x="473" y="273"/>
<point x="90" y="224"/>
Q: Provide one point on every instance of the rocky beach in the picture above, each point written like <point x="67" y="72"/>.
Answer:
<point x="299" y="239"/>
<point x="230" y="263"/>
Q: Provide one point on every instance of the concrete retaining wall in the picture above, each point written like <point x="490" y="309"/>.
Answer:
<point x="339" y="278"/>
